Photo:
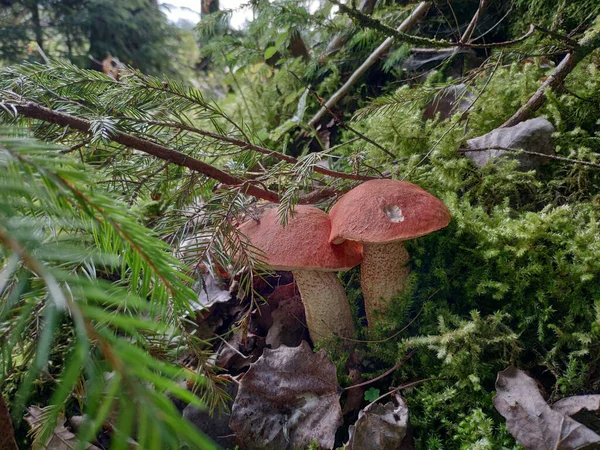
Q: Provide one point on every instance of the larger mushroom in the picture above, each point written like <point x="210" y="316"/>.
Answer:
<point x="382" y="214"/>
<point x="302" y="247"/>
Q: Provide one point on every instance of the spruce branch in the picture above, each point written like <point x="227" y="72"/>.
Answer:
<point x="367" y="21"/>
<point x="194" y="96"/>
<point x="36" y="111"/>
<point x="244" y="145"/>
<point x="411" y="20"/>
<point x="589" y="42"/>
<point x="49" y="208"/>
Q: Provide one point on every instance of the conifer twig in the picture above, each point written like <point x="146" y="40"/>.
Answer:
<point x="414" y="17"/>
<point x="589" y="42"/>
<point x="366" y="7"/>
<point x="403" y="387"/>
<point x="385" y="374"/>
<point x="543" y="155"/>
<point x="244" y="145"/>
<point x="36" y="111"/>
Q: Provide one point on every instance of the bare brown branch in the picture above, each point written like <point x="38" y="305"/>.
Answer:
<point x="414" y="17"/>
<point x="248" y="146"/>
<point x="555" y="79"/>
<point x="35" y="111"/>
<point x="586" y="45"/>
<point x="542" y="155"/>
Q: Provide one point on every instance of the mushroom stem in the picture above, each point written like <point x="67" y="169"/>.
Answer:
<point x="383" y="273"/>
<point x="325" y="304"/>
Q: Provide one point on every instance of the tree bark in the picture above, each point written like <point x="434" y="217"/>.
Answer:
<point x="7" y="434"/>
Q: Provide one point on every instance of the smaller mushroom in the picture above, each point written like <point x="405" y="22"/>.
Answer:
<point x="382" y="214"/>
<point x="302" y="247"/>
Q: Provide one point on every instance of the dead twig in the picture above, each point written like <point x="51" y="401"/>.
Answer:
<point x="571" y="42"/>
<point x="523" y="38"/>
<point x="244" y="145"/>
<point x="77" y="146"/>
<point x="414" y="17"/>
<point x="35" y="111"/>
<point x="389" y="338"/>
<point x="383" y="375"/>
<point x="366" y="7"/>
<point x="543" y="155"/>
<point x="341" y="123"/>
<point x="585" y="46"/>
<point x="434" y="146"/>
<point x="466" y="37"/>
<point x="144" y="180"/>
<point x="403" y="387"/>
<point x="463" y="42"/>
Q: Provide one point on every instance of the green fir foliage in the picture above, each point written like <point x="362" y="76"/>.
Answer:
<point x="514" y="279"/>
<point x="70" y="337"/>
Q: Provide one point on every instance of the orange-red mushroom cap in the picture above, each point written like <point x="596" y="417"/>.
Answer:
<point x="303" y="243"/>
<point x="380" y="211"/>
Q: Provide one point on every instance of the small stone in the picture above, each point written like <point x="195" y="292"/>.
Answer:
<point x="534" y="135"/>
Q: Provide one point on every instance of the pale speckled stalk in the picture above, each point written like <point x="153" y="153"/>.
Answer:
<point x="325" y="304"/>
<point x="383" y="273"/>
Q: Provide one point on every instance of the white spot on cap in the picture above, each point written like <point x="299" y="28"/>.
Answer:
<point x="393" y="213"/>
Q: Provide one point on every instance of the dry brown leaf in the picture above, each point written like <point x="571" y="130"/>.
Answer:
<point x="530" y="419"/>
<point x="236" y="354"/>
<point x="61" y="437"/>
<point x="380" y="427"/>
<point x="572" y="405"/>
<point x="288" y="325"/>
<point x="288" y="399"/>
<point x="211" y="291"/>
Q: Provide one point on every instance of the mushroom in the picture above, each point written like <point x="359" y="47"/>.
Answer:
<point x="382" y="214"/>
<point x="302" y="247"/>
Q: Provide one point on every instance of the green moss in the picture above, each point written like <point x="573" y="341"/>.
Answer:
<point x="515" y="277"/>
